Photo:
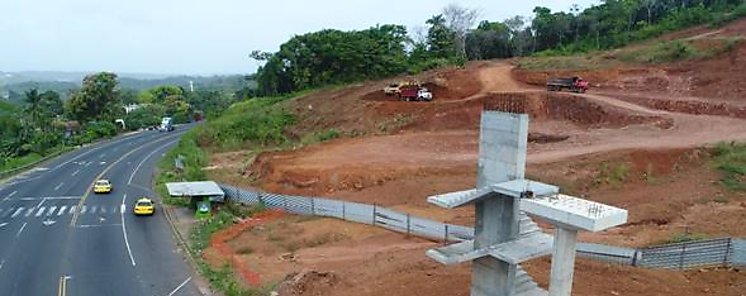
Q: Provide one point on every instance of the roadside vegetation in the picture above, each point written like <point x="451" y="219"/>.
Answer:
<point x="42" y="124"/>
<point x="221" y="278"/>
<point x="730" y="160"/>
<point x="454" y="36"/>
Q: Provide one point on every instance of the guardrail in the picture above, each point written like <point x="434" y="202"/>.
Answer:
<point x="707" y="253"/>
<point x="11" y="172"/>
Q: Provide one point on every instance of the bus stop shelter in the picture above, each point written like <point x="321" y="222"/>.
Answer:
<point x="196" y="191"/>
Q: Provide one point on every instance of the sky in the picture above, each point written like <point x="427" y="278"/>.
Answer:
<point x="197" y="37"/>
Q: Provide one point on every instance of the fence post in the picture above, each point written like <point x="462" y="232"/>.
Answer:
<point x="313" y="206"/>
<point x="285" y="203"/>
<point x="681" y="259"/>
<point x="727" y="252"/>
<point x="445" y="236"/>
<point x="259" y="197"/>
<point x="375" y="213"/>
<point x="344" y="215"/>
<point x="408" y="223"/>
<point x="634" y="257"/>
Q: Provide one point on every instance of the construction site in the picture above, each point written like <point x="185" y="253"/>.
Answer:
<point x="639" y="139"/>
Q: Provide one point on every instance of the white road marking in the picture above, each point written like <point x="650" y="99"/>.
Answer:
<point x="123" y="209"/>
<point x="124" y="232"/>
<point x="58" y="186"/>
<point x="180" y="286"/>
<point x="3" y="224"/>
<point x="96" y="225"/>
<point x="2" y="263"/>
<point x="83" y="209"/>
<point x="62" y="210"/>
<point x="18" y="234"/>
<point x="41" y="210"/>
<point x="103" y="210"/>
<point x="137" y="168"/>
<point x="41" y="202"/>
<point x="51" y="210"/>
<point x="48" y="222"/>
<point x="93" y="209"/>
<point x="88" y="164"/>
<point x="28" y="198"/>
<point x="76" y="172"/>
<point x="9" y="195"/>
<point x="18" y="211"/>
<point x="72" y="209"/>
<point x="28" y="213"/>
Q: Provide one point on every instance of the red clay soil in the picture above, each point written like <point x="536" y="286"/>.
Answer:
<point x="220" y="253"/>
<point x="631" y="144"/>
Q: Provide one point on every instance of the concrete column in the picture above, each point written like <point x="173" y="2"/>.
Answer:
<point x="496" y="222"/>
<point x="563" y="262"/>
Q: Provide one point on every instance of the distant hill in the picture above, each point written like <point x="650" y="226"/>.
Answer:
<point x="14" y="84"/>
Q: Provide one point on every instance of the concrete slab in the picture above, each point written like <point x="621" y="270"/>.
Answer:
<point x="575" y="213"/>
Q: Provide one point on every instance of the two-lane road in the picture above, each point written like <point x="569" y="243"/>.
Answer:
<point x="58" y="238"/>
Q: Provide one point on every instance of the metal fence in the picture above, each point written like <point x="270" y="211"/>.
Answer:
<point x="705" y="253"/>
<point x="717" y="252"/>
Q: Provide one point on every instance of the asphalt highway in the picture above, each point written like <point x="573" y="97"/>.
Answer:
<point x="59" y="238"/>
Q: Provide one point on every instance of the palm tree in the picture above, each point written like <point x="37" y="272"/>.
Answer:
<point x="34" y="108"/>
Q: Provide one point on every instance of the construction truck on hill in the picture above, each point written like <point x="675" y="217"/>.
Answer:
<point x="409" y="91"/>
<point x="574" y="84"/>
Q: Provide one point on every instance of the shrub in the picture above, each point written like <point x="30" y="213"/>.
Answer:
<point x="730" y="160"/>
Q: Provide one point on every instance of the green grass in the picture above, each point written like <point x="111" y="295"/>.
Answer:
<point x="194" y="160"/>
<point x="259" y="122"/>
<point x="730" y="160"/>
<point x="13" y="163"/>
<point x="685" y="237"/>
<point x="612" y="174"/>
<point x="319" y="137"/>
<point x="653" y="52"/>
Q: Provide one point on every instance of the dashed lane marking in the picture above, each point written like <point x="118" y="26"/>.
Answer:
<point x="18" y="211"/>
<point x="9" y="195"/>
<point x="62" y="210"/>
<point x="18" y="234"/>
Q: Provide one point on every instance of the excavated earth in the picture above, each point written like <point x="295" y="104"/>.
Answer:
<point x="637" y="140"/>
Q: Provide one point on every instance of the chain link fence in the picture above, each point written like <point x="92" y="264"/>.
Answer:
<point x="717" y="252"/>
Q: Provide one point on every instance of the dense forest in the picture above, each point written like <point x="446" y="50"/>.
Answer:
<point x="454" y="36"/>
<point x="42" y="123"/>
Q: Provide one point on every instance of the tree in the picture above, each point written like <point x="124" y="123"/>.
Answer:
<point x="460" y="20"/>
<point x="53" y="104"/>
<point x="441" y="40"/>
<point x="489" y="41"/>
<point x="34" y="108"/>
<point x="98" y="98"/>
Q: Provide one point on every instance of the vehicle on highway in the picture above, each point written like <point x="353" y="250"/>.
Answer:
<point x="144" y="206"/>
<point x="574" y="84"/>
<point x="102" y="186"/>
<point x="167" y="124"/>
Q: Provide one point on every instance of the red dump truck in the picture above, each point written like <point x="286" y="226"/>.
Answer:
<point x="414" y="93"/>
<point x="574" y="84"/>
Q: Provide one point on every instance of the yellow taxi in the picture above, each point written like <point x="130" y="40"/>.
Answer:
<point x="102" y="186"/>
<point x="144" y="206"/>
